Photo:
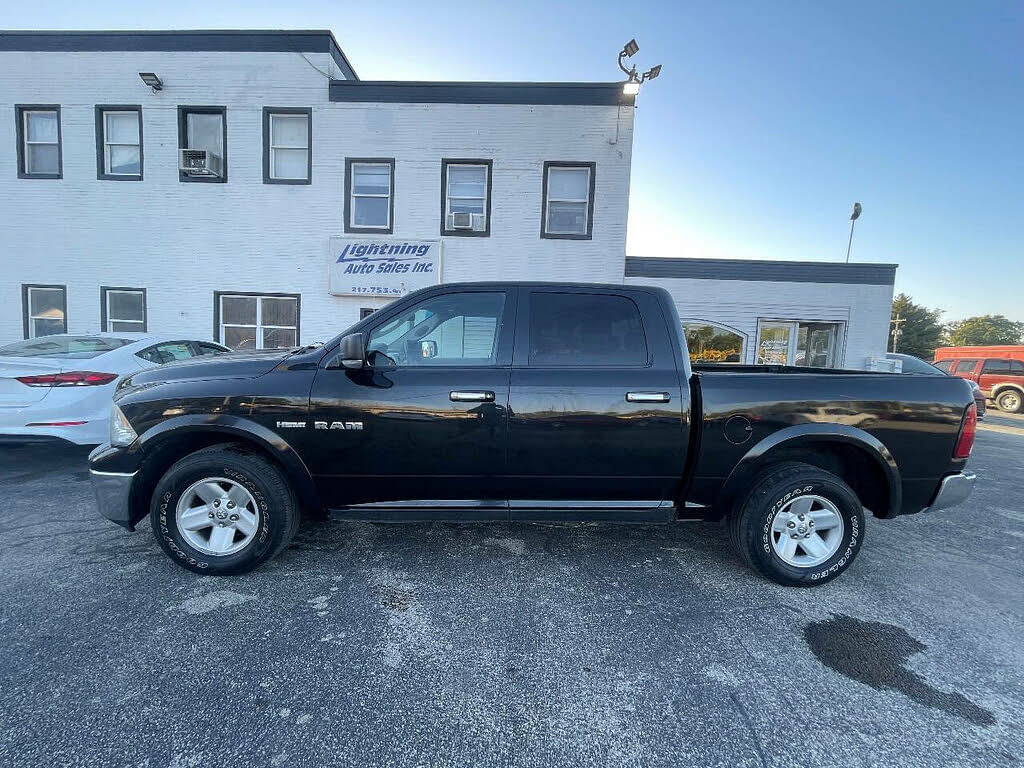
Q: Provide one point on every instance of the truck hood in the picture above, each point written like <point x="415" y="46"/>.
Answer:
<point x="236" y="365"/>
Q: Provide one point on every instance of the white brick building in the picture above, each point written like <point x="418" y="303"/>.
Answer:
<point x="330" y="195"/>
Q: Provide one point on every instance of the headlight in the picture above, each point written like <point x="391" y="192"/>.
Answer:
<point x="121" y="432"/>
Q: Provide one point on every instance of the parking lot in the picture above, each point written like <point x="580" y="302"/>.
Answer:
<point x="509" y="644"/>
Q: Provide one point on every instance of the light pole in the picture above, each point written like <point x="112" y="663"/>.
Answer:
<point x="853" y="220"/>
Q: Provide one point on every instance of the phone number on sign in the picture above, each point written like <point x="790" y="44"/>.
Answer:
<point x="378" y="290"/>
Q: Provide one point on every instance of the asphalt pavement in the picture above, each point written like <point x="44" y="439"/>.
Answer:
<point x="511" y="645"/>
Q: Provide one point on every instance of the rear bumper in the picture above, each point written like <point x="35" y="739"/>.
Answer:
<point x="113" y="493"/>
<point x="954" y="489"/>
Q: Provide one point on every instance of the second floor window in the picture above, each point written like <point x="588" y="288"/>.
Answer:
<point x="205" y="129"/>
<point x="369" y="199"/>
<point x="287" y="142"/>
<point x="119" y="143"/>
<point x="39" y="150"/>
<point x="467" y="199"/>
<point x="568" y="201"/>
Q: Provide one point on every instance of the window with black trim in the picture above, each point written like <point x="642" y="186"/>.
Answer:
<point x="466" y="197"/>
<point x="585" y="329"/>
<point x="39" y="141"/>
<point x="256" y="321"/>
<point x="287" y="145"/>
<point x="568" y="201"/>
<point x="365" y="312"/>
<point x="119" y="143"/>
<point x="44" y="310"/>
<point x="123" y="310"/>
<point x="369" y="194"/>
<point x="204" y="130"/>
<point x="965" y="366"/>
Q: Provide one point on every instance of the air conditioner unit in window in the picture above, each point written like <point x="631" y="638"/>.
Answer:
<point x="199" y="162"/>
<point x="462" y="221"/>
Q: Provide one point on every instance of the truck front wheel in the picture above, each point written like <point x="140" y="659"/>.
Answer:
<point x="799" y="525"/>
<point x="223" y="511"/>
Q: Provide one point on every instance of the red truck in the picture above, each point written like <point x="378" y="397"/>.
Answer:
<point x="998" y="371"/>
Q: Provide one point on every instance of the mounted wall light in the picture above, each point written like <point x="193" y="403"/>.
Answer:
<point x="633" y="80"/>
<point x="150" y="79"/>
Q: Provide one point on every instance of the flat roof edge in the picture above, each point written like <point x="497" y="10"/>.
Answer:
<point x="859" y="273"/>
<point x="453" y="92"/>
<point x="228" y="40"/>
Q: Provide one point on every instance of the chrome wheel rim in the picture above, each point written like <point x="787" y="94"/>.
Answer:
<point x="807" y="531"/>
<point x="217" y="516"/>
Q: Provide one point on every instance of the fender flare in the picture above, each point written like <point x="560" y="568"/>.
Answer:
<point x="799" y="434"/>
<point x="249" y="431"/>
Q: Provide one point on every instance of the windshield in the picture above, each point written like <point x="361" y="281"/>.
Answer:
<point x="78" y="347"/>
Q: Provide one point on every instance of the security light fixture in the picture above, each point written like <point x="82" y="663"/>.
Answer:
<point x="150" y="79"/>
<point x="633" y="80"/>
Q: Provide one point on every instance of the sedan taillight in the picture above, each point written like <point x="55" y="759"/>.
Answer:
<point x="968" y="429"/>
<point x="69" y="379"/>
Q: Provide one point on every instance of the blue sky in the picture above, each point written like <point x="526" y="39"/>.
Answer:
<point x="768" y="121"/>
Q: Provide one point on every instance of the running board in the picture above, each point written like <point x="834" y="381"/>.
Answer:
<point x="516" y="510"/>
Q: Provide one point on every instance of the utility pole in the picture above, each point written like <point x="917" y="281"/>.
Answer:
<point x="896" y="322"/>
<point x="853" y="220"/>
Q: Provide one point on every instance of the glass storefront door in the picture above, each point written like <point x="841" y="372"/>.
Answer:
<point x="795" y="343"/>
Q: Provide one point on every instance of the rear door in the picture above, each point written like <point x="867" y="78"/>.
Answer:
<point x="596" y="413"/>
<point x="965" y="369"/>
<point x="424" y="427"/>
<point x="994" y="371"/>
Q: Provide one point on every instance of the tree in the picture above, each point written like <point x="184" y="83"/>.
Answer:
<point x="983" y="330"/>
<point x="920" y="331"/>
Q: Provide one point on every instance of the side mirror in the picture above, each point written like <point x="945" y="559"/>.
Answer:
<point x="428" y="349"/>
<point x="352" y="351"/>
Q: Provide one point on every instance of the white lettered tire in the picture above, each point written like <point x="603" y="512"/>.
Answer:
<point x="799" y="525"/>
<point x="223" y="510"/>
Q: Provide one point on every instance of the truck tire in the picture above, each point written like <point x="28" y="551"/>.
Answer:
<point x="799" y="525"/>
<point x="223" y="510"/>
<point x="1010" y="400"/>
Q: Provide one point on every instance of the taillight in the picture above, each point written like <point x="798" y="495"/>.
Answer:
<point x="70" y="379"/>
<point x="968" y="428"/>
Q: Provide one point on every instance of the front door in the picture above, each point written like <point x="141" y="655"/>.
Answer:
<point x="598" y="414"/>
<point x="426" y="421"/>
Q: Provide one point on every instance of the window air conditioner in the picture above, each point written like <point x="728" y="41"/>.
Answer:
<point x="462" y="221"/>
<point x="199" y="162"/>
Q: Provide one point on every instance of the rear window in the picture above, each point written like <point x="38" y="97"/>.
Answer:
<point x="965" y="366"/>
<point x="914" y="365"/>
<point x="585" y="329"/>
<point x="77" y="347"/>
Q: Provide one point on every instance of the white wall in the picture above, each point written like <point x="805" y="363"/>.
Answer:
<point x="183" y="241"/>
<point x="739" y="304"/>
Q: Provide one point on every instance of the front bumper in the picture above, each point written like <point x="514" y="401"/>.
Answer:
<point x="113" y="491"/>
<point x="954" y="489"/>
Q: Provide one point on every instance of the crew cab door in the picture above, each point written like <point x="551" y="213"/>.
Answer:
<point x="598" y="410"/>
<point x="1000" y="371"/>
<point x="425" y="421"/>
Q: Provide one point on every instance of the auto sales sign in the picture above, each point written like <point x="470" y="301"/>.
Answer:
<point x="388" y="267"/>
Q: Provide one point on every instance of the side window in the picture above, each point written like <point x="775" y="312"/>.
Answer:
<point x="944" y="365"/>
<point x="996" y="366"/>
<point x="39" y="142"/>
<point x="568" y="201"/>
<point x="202" y="349"/>
<point x="119" y="143"/>
<point x="453" y="329"/>
<point x="965" y="366"/>
<point x="123" y="310"/>
<point x="1017" y="368"/>
<point x="287" y="140"/>
<point x="44" y="309"/>
<point x="166" y="352"/>
<point x="585" y="329"/>
<point x="369" y="195"/>
<point x="202" y="144"/>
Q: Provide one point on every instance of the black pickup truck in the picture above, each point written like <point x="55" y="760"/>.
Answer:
<point x="527" y="402"/>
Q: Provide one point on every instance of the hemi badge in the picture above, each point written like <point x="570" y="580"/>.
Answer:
<point x="291" y="425"/>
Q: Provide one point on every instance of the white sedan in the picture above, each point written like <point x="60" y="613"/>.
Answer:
<point x="60" y="386"/>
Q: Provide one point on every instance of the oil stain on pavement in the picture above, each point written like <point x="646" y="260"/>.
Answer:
<point x="876" y="654"/>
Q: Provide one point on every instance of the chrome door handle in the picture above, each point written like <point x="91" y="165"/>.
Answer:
<point x="471" y="397"/>
<point x="648" y="397"/>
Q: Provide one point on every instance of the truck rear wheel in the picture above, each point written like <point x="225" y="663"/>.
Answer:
<point x="1010" y="400"/>
<point x="799" y="525"/>
<point x="223" y="510"/>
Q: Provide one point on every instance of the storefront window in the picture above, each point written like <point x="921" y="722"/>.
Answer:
<point x="710" y="343"/>
<point x="814" y="345"/>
